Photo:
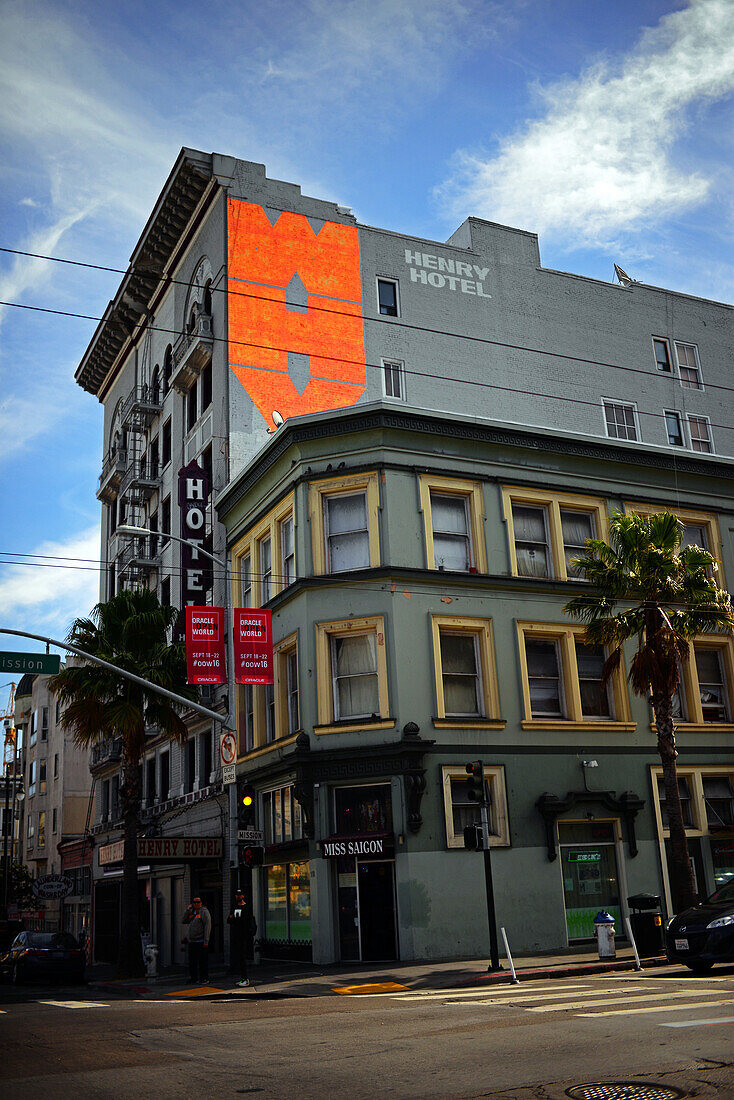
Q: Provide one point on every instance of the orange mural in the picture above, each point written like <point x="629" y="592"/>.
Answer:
<point x="263" y="259"/>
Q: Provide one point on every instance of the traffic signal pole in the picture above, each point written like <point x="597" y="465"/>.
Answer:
<point x="494" y="954"/>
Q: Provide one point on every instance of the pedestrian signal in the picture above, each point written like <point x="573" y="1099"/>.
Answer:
<point x="252" y="855"/>
<point x="473" y="838"/>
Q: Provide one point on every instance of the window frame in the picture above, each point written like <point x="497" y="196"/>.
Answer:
<point x="282" y="653"/>
<point x="325" y="631"/>
<point x="319" y="491"/>
<point x="677" y="344"/>
<point x="662" y="340"/>
<point x="709" y="434"/>
<point x="694" y="775"/>
<point x="473" y="494"/>
<point x="494" y="775"/>
<point x="681" y="427"/>
<point x="250" y="546"/>
<point x="635" y="418"/>
<point x="566" y="636"/>
<point x="481" y="630"/>
<point x="397" y="365"/>
<point x="393" y="282"/>
<point x="553" y="502"/>
<point x="693" y="518"/>
<point x="691" y="687"/>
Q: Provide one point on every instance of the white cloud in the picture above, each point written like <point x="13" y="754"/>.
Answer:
<point x="26" y="272"/>
<point x="28" y="202"/>
<point x="603" y="157"/>
<point x="45" y="597"/>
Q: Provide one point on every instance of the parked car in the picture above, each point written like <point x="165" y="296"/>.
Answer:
<point x="44" y="956"/>
<point x="704" y="935"/>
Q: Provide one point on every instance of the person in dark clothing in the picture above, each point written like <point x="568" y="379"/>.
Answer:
<point x="243" y="929"/>
<point x="198" y="920"/>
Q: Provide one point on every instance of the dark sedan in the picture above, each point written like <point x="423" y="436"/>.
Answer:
<point x="704" y="935"/>
<point x="44" y="956"/>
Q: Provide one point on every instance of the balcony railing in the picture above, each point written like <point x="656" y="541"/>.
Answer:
<point x="141" y="479"/>
<point x="141" y="407"/>
<point x="113" y="469"/>
<point x="106" y="752"/>
<point x="192" y="351"/>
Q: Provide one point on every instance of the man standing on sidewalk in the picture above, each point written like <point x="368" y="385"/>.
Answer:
<point x="243" y="929"/>
<point x="198" y="920"/>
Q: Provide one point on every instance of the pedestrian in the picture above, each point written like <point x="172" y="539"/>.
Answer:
<point x="198" y="921"/>
<point x="243" y="929"/>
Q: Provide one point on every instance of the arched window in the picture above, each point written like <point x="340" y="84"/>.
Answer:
<point x="192" y="320"/>
<point x="155" y="386"/>
<point x="167" y="369"/>
<point x="208" y="297"/>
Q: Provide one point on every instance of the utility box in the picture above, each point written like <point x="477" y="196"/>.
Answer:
<point x="647" y="924"/>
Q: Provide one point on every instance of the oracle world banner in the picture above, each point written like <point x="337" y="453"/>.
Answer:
<point x="205" y="643"/>
<point x="296" y="340"/>
<point x="253" y="646"/>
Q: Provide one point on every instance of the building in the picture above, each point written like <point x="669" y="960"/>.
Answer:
<point x="420" y="628"/>
<point x="57" y="804"/>
<point x="247" y="304"/>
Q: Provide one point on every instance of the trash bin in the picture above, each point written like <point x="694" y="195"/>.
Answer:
<point x="647" y="924"/>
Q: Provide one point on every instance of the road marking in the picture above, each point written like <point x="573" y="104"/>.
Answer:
<point x="502" y="996"/>
<point x="662" y="1008"/>
<point x="371" y="990"/>
<point x="699" y="1023"/>
<point x="617" y="1000"/>
<point x="198" y="991"/>
<point x="549" y="997"/>
<point x="74" y="1004"/>
<point x="510" y="991"/>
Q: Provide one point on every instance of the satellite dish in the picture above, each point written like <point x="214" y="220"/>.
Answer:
<point x="277" y="418"/>
<point x="622" y="275"/>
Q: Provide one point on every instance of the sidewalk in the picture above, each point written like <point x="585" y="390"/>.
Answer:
<point x="273" y="980"/>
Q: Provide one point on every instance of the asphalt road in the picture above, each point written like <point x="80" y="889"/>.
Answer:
<point x="529" y="1041"/>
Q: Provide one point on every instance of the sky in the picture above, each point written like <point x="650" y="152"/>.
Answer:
<point x="605" y="128"/>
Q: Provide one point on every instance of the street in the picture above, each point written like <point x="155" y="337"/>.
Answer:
<point x="662" y="1027"/>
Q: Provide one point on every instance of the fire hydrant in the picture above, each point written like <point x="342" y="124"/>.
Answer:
<point x="604" y="931"/>
<point x="151" y="961"/>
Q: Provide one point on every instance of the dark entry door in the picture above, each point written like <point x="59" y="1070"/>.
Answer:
<point x="107" y="922"/>
<point x="377" y="910"/>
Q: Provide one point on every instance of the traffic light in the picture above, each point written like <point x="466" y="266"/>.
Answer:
<point x="473" y="838"/>
<point x="475" y="785"/>
<point x="246" y="807"/>
<point x="252" y="855"/>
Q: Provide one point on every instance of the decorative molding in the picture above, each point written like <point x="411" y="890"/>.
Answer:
<point x="550" y="807"/>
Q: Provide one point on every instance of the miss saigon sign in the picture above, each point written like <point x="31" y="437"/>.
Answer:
<point x="376" y="844"/>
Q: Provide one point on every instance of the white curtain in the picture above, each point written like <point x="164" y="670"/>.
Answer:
<point x="355" y="671"/>
<point x="346" y="525"/>
<point x="531" y="549"/>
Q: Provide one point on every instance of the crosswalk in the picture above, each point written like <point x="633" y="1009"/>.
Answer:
<point x="587" y="999"/>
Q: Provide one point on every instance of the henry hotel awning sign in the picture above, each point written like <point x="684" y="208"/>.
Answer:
<point x="168" y="848"/>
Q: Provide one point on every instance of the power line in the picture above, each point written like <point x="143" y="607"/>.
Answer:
<point x="313" y="308"/>
<point x="416" y="373"/>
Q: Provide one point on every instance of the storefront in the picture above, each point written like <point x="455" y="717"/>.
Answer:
<point x="362" y="853"/>
<point x="589" y="863"/>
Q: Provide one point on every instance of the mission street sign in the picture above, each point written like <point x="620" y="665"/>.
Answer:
<point x="46" y="663"/>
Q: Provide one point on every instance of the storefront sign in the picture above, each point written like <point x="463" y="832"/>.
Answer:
<point x="584" y="857"/>
<point x="193" y="496"/>
<point x="253" y="646"/>
<point x="205" y="660"/>
<point x="168" y="848"/>
<point x="51" y="887"/>
<point x="359" y="846"/>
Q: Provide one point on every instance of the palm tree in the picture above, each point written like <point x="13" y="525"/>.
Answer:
<point x="131" y="631"/>
<point x="644" y="585"/>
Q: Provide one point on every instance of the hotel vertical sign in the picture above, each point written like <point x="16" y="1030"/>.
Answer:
<point x="193" y="498"/>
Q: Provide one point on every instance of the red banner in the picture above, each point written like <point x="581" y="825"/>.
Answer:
<point x="205" y="661"/>
<point x="253" y="646"/>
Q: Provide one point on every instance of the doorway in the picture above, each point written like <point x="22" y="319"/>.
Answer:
<point x="590" y="876"/>
<point x="366" y="904"/>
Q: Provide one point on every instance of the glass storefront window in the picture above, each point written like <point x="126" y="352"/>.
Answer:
<point x="288" y="902"/>
<point x="363" y="810"/>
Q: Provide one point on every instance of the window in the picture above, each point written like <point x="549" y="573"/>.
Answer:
<point x="258" y="558"/>
<point x="104" y="801"/>
<point x="460" y="812"/>
<point x="166" y="443"/>
<point x="344" y="523"/>
<point x="674" y="429"/>
<point x="287" y="716"/>
<point x="620" y="420"/>
<point x="166" y="518"/>
<point x="150" y="780"/>
<point x="31" y="832"/>
<point x="56" y="765"/>
<point x="548" y="531"/>
<point x="719" y="800"/>
<point x="115" y="797"/>
<point x="166" y="592"/>
<point x="466" y="679"/>
<point x="712" y="684"/>
<point x="42" y="776"/>
<point x="352" y="674"/>
<point x="42" y="829"/>
<point x="266" y="571"/>
<point x="393" y="379"/>
<point x="453" y="517"/>
<point x="700" y="434"/>
<point x="165" y="776"/>
<point x="704" y="694"/>
<point x="32" y="772"/>
<point x="699" y="528"/>
<point x="246" y="718"/>
<point x="281" y="816"/>
<point x="191" y="413"/>
<point x="167" y="369"/>
<point x="33" y="732"/>
<point x="287" y="552"/>
<point x="662" y="355"/>
<point x="688" y="366"/>
<point x="269" y="713"/>
<point x="685" y="802"/>
<point x="206" y="387"/>
<point x="54" y="820"/>
<point x="562" y="681"/>
<point x="189" y="765"/>
<point x="387" y="297"/>
<point x="205" y="758"/>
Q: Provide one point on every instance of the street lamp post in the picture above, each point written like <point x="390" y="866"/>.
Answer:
<point x="9" y="825"/>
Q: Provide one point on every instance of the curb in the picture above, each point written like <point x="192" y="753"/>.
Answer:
<point x="565" y="971"/>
